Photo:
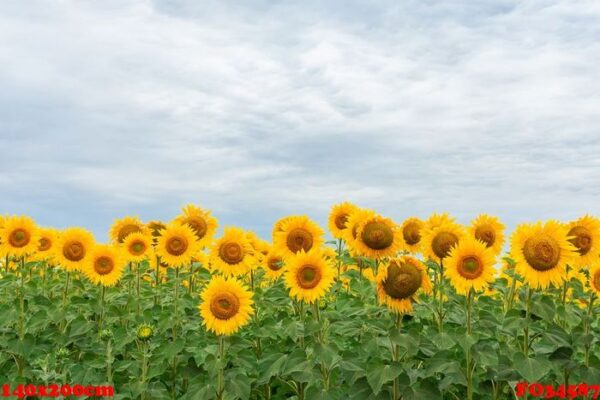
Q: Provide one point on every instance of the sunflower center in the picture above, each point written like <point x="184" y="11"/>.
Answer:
<point x="402" y="280"/>
<point x="470" y="267"/>
<point x="44" y="244"/>
<point x="377" y="235"/>
<point x="299" y="239"/>
<point x="486" y="234"/>
<point x="308" y="276"/>
<point x="127" y="230"/>
<point x="541" y="252"/>
<point x="137" y="248"/>
<point x="340" y="221"/>
<point x="177" y="245"/>
<point x="74" y="250"/>
<point x="104" y="265"/>
<point x="582" y="239"/>
<point x="19" y="238"/>
<point x="411" y="233"/>
<point x="443" y="242"/>
<point x="225" y="306"/>
<point x="275" y="263"/>
<point x="231" y="252"/>
<point x="198" y="225"/>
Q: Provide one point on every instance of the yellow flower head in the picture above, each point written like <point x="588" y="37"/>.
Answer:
<point x="436" y="220"/>
<point x="273" y="264"/>
<point x="350" y="234"/>
<point x="121" y="228"/>
<point x="308" y="276"/>
<point x="470" y="265"/>
<point x="177" y="245"/>
<point x="489" y="230"/>
<point x="202" y="223"/>
<point x="232" y="253"/>
<point x="19" y="236"/>
<point x="137" y="247"/>
<point x="155" y="227"/>
<point x="584" y="234"/>
<point x="541" y="253"/>
<point x="46" y="242"/>
<point x="260" y="247"/>
<point x="225" y="305"/>
<point x="105" y="265"/>
<point x="439" y="240"/>
<point x="338" y="218"/>
<point x="412" y="233"/>
<point x="399" y="281"/>
<point x="73" y="248"/>
<point x="298" y="234"/>
<point x="377" y="237"/>
<point x="595" y="278"/>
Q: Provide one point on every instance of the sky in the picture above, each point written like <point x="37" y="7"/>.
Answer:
<point x="260" y="109"/>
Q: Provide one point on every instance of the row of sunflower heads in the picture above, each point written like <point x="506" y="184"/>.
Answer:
<point x="131" y="241"/>
<point x="543" y="253"/>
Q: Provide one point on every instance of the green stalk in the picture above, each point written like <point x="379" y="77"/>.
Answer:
<point x="109" y="361"/>
<point x="157" y="281"/>
<point x="22" y="301"/>
<point x="137" y="292"/>
<point x="469" y="356"/>
<point x="527" y="321"/>
<point x="512" y="292"/>
<point x="395" y="356"/>
<point x="221" y="377"/>
<point x="441" y="297"/>
<point x="587" y="327"/>
<point x="102" y="295"/>
<point x="144" y="368"/>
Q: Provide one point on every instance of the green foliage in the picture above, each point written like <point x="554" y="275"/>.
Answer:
<point x="352" y="348"/>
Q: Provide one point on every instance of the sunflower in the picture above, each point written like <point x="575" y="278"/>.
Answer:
<point x="541" y="253"/>
<point x="273" y="264"/>
<point x="398" y="282"/>
<point x="73" y="248"/>
<point x="308" y="276"/>
<point x="470" y="265"/>
<point x="489" y="230"/>
<point x="155" y="227"/>
<point x="105" y="265"/>
<point x="412" y="233"/>
<point x="585" y="236"/>
<point x="438" y="241"/>
<point x="595" y="278"/>
<point x="232" y="253"/>
<point x="338" y="218"/>
<point x="260" y="247"/>
<point x="121" y="228"/>
<point x="297" y="234"/>
<point x="226" y="305"/>
<point x="377" y="237"/>
<point x="350" y="234"/>
<point x="202" y="223"/>
<point x="177" y="245"/>
<point x="19" y="236"/>
<point x="46" y="242"/>
<point x="137" y="247"/>
<point x="436" y="220"/>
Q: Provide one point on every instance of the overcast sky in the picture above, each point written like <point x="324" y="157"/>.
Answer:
<point x="258" y="109"/>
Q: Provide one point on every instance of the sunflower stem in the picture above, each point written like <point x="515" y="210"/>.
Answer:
<point x="157" y="281"/>
<point x="101" y="318"/>
<point x="587" y="328"/>
<point x="22" y="301"/>
<point x="469" y="361"/>
<point x="395" y="357"/>
<point x="511" y="295"/>
<point x="527" y="321"/>
<point x="441" y="297"/>
<point x="221" y="376"/>
<point x="137" y="292"/>
<point x="109" y="361"/>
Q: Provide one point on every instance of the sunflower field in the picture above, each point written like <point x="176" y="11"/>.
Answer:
<point x="371" y="309"/>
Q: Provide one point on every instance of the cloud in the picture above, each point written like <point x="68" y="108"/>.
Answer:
<point x="261" y="109"/>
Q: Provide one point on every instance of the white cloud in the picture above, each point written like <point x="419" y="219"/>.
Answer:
<point x="265" y="108"/>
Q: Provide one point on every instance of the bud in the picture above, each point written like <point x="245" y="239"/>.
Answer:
<point x="145" y="332"/>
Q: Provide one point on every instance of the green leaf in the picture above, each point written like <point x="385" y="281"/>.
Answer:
<point x="530" y="369"/>
<point x="378" y="375"/>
